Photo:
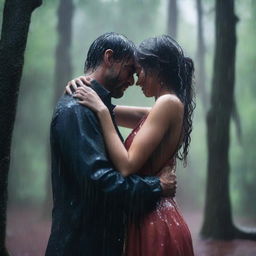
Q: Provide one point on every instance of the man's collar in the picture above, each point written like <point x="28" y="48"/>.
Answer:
<point x="105" y="96"/>
<point x="103" y="93"/>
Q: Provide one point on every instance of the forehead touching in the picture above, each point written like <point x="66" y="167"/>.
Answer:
<point x="129" y="64"/>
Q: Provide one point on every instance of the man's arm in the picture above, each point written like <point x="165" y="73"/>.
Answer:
<point x="82" y="146"/>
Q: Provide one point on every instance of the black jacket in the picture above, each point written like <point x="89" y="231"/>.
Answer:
<point x="90" y="198"/>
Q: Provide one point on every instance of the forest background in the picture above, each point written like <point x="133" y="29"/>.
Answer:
<point x="29" y="182"/>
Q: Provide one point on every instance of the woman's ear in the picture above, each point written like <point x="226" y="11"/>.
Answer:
<point x="108" y="57"/>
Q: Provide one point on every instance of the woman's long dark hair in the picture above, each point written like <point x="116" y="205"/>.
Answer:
<point x="164" y="55"/>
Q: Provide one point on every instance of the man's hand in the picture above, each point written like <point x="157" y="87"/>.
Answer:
<point x="168" y="181"/>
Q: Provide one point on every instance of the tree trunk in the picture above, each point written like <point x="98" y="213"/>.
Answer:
<point x="218" y="222"/>
<point x="63" y="73"/>
<point x="15" y="26"/>
<point x="201" y="74"/>
<point x="172" y="24"/>
<point x="236" y="118"/>
<point x="63" y="69"/>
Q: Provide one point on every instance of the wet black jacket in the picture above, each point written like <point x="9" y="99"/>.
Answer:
<point x="90" y="197"/>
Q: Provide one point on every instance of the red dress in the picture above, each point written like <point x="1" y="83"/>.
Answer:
<point x="162" y="232"/>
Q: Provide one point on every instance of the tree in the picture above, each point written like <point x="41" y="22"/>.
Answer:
<point x="218" y="222"/>
<point x="63" y="69"/>
<point x="201" y="74"/>
<point x="15" y="26"/>
<point x="172" y="24"/>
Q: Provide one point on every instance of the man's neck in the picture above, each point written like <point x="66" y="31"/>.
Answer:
<point x="98" y="75"/>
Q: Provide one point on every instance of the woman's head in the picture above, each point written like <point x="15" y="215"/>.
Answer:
<point x="163" y="63"/>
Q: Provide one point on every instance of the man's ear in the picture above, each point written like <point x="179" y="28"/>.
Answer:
<point x="108" y="57"/>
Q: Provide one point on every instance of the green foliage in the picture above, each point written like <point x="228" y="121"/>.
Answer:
<point x="137" y="19"/>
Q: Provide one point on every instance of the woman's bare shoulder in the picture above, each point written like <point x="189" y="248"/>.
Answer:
<point x="169" y="103"/>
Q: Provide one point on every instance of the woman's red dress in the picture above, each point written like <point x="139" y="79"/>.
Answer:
<point x="162" y="232"/>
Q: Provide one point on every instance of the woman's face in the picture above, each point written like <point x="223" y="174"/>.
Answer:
<point x="147" y="80"/>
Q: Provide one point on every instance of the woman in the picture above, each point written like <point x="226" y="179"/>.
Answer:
<point x="160" y="137"/>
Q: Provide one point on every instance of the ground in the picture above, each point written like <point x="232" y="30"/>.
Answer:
<point x="28" y="232"/>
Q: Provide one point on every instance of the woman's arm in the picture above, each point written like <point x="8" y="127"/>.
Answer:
<point x="147" y="139"/>
<point x="128" y="116"/>
<point x="125" y="116"/>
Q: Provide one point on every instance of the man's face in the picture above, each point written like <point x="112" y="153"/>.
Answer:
<point x="121" y="77"/>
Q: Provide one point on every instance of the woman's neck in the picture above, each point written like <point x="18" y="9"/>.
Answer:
<point x="163" y="90"/>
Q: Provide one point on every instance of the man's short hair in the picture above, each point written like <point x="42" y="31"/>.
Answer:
<point x="122" y="48"/>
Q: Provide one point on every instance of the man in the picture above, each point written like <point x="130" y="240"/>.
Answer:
<point x="91" y="199"/>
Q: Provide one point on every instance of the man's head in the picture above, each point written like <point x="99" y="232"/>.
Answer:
<point x="113" y="55"/>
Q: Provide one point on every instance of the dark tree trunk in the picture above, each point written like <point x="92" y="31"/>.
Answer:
<point x="236" y="118"/>
<point x="63" y="69"/>
<point x="201" y="74"/>
<point x="172" y="23"/>
<point x="63" y="72"/>
<point x="218" y="222"/>
<point x="15" y="26"/>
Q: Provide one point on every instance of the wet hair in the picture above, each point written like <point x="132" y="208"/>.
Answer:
<point x="164" y="55"/>
<point x="123" y="49"/>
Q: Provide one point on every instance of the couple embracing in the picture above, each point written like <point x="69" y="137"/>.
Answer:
<point x="113" y="197"/>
